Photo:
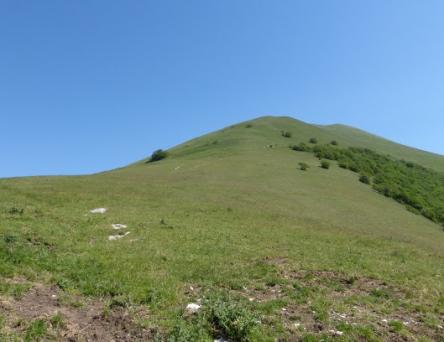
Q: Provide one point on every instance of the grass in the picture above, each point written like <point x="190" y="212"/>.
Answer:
<point x="242" y="221"/>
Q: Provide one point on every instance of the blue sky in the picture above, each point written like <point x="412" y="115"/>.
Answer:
<point x="87" y="86"/>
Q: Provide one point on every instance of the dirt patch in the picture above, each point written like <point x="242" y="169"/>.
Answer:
<point x="78" y="319"/>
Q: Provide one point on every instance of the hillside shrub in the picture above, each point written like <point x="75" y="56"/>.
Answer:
<point x="158" y="155"/>
<point x="286" y="134"/>
<point x="364" y="179"/>
<point x="313" y="141"/>
<point x="334" y="143"/>
<point x="303" y="166"/>
<point x="325" y="164"/>
<point x="302" y="147"/>
<point x="419" y="188"/>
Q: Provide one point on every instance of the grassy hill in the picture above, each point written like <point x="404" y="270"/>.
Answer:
<point x="229" y="222"/>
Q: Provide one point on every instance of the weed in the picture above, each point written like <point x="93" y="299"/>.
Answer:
<point x="231" y="319"/>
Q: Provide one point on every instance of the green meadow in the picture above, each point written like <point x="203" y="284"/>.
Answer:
<point x="229" y="221"/>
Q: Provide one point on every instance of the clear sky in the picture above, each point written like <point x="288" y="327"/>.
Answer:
<point x="87" y="86"/>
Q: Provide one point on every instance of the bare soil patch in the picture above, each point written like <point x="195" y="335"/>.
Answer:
<point x="88" y="321"/>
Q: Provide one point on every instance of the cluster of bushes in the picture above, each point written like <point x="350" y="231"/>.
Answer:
<point x="419" y="188"/>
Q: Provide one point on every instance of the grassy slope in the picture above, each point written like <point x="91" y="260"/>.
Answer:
<point x="230" y="203"/>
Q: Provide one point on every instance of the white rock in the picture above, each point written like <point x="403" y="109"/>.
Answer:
<point x="440" y="327"/>
<point x="117" y="237"/>
<point x="98" y="211"/>
<point x="384" y="321"/>
<point x="221" y="340"/>
<point x="251" y="299"/>
<point x="336" y="332"/>
<point x="119" y="226"/>
<point x="297" y="325"/>
<point x="192" y="308"/>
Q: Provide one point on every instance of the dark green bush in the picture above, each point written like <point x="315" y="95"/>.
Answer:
<point x="158" y="155"/>
<point x="334" y="143"/>
<point x="313" y="141"/>
<point x="303" y="166"/>
<point x="286" y="134"/>
<point x="325" y="164"/>
<point x="301" y="147"/>
<point x="364" y="179"/>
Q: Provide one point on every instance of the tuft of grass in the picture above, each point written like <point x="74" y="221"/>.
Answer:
<point x="36" y="331"/>
<point x="57" y="321"/>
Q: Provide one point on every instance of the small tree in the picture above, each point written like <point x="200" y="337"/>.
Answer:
<point x="303" y="166"/>
<point x="334" y="143"/>
<point x="313" y="141"/>
<point x="325" y="164"/>
<point x="158" y="155"/>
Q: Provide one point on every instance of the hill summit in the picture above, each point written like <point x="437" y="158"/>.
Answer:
<point x="228" y="237"/>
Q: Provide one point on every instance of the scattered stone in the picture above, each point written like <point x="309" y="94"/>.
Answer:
<point x="384" y="321"/>
<point x="221" y="339"/>
<point x="117" y="237"/>
<point x="192" y="308"/>
<point x="336" y="332"/>
<point x="297" y="325"/>
<point x="440" y="327"/>
<point x="98" y="211"/>
<point x="119" y="226"/>
<point x="251" y="299"/>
